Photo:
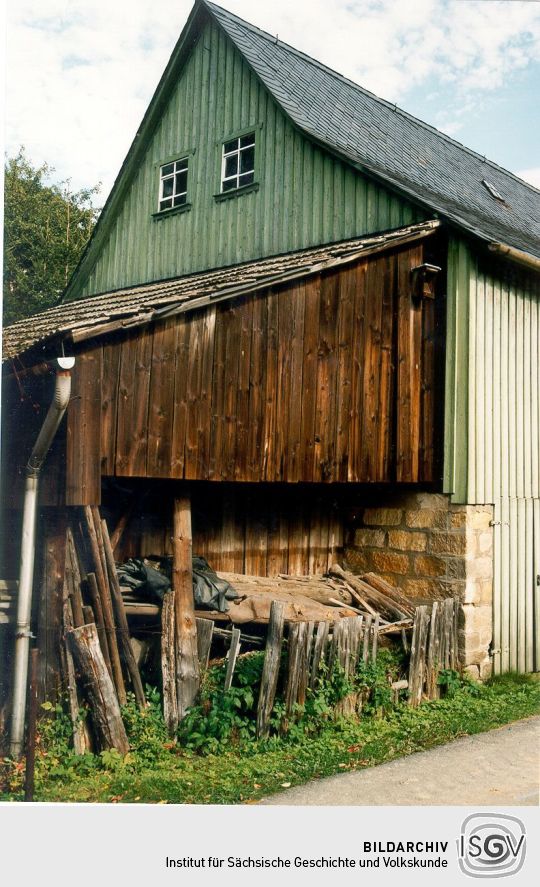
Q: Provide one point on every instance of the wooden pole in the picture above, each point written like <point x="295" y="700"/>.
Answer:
<point x="272" y="659"/>
<point x="121" y="620"/>
<point x="205" y="631"/>
<point x="98" y="618"/>
<point x="106" y="603"/>
<point x="101" y="695"/>
<point x="31" y="727"/>
<point x="187" y="662"/>
<point x="168" y="664"/>
<point x="232" y="656"/>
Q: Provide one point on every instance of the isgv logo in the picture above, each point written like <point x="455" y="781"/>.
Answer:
<point x="491" y="845"/>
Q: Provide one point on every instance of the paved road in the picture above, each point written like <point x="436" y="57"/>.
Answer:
<point x="499" y="768"/>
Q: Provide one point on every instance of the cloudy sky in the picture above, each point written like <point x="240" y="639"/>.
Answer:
<point x="80" y="73"/>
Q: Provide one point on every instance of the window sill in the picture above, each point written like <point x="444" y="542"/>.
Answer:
<point x="165" y="213"/>
<point x="236" y="192"/>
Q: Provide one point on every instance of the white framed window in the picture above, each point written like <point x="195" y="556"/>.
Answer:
<point x="173" y="182"/>
<point x="238" y="163"/>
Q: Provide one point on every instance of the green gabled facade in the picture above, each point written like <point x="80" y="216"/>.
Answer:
<point x="303" y="195"/>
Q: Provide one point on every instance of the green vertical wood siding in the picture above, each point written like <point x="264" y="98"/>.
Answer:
<point x="305" y="197"/>
<point x="492" y="433"/>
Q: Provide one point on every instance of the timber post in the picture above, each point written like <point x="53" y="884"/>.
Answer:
<point x="187" y="661"/>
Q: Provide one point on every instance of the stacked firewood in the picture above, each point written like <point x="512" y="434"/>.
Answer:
<point x="98" y="655"/>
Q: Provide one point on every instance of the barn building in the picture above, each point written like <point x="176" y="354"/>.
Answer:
<point x="319" y="318"/>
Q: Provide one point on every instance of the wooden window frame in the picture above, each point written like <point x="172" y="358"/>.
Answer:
<point x="176" y="194"/>
<point x="237" y="152"/>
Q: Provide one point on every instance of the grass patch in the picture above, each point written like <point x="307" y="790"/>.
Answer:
<point x="239" y="769"/>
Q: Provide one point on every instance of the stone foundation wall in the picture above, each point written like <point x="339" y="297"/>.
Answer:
<point x="432" y="549"/>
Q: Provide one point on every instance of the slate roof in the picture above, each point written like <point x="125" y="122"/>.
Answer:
<point x="136" y="305"/>
<point x="394" y="145"/>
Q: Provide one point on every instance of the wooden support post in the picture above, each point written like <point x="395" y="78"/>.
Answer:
<point x="272" y="659"/>
<point x="121" y="620"/>
<point x="106" y="604"/>
<point x="232" y="656"/>
<point x="99" y="687"/>
<point x="168" y="664"/>
<point x="205" y="632"/>
<point x="187" y="662"/>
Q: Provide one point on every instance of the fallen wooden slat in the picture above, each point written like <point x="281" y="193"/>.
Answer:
<point x="390" y="591"/>
<point x="232" y="656"/>
<point x="72" y="580"/>
<point x="168" y="664"/>
<point x="106" y="605"/>
<point x="121" y="619"/>
<point x="80" y="739"/>
<point x="99" y="688"/>
<point x="93" y="591"/>
<point x="272" y="659"/>
<point x="395" y="627"/>
<point x="205" y="631"/>
<point x="379" y="600"/>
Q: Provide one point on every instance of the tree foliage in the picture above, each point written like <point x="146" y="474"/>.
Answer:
<point x="46" y="228"/>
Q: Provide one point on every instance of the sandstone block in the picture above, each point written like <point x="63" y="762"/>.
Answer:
<point x="479" y="520"/>
<point x="472" y="671"/>
<point x="486" y="669"/>
<point x="458" y="520"/>
<point x="448" y="543"/>
<point x="372" y="538"/>
<point x="405" y="541"/>
<point x="485" y="543"/>
<point x="384" y="517"/>
<point x="426" y="518"/>
<point x="456" y="568"/>
<point x="389" y="561"/>
<point x="427" y="565"/>
<point x="479" y="567"/>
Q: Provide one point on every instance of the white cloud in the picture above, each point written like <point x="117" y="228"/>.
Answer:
<point x="530" y="175"/>
<point x="81" y="72"/>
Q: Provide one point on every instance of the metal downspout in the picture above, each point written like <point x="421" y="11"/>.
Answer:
<point x="62" y="393"/>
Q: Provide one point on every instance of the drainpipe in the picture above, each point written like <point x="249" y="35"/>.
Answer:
<point x="62" y="392"/>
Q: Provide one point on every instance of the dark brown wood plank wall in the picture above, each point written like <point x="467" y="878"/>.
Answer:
<point x="249" y="529"/>
<point x="83" y="436"/>
<point x="327" y="380"/>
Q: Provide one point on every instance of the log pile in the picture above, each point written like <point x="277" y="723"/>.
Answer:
<point x="98" y="658"/>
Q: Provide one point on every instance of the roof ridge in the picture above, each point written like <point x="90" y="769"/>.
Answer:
<point x="391" y="105"/>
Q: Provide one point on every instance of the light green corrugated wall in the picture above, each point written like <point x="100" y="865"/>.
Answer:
<point x="492" y="432"/>
<point x="306" y="196"/>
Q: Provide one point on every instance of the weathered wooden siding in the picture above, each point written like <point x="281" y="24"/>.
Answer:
<point x="331" y="379"/>
<point x="258" y="530"/>
<point x="492" y="437"/>
<point x="320" y="199"/>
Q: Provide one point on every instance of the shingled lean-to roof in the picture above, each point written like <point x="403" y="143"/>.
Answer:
<point x="384" y="140"/>
<point x="134" y="306"/>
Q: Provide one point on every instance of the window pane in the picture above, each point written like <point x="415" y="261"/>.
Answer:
<point x="246" y="179"/>
<point x="167" y="170"/>
<point x="230" y="146"/>
<point x="230" y="185"/>
<point x="182" y="164"/>
<point x="165" y="204"/>
<point x="180" y="199"/>
<point x="167" y="187"/>
<point x="247" y="160"/>
<point x="247" y="140"/>
<point x="231" y="165"/>
<point x="181" y="182"/>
